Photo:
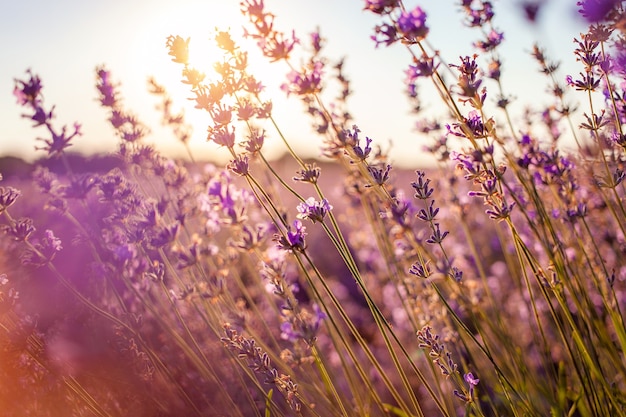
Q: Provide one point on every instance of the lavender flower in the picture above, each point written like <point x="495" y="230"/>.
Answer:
<point x="494" y="38"/>
<point x="381" y="6"/>
<point x="310" y="173"/>
<point x="21" y="229"/>
<point x="307" y="81"/>
<point x="471" y="382"/>
<point x="477" y="16"/>
<point x="239" y="165"/>
<point x="385" y="34"/>
<point x="596" y="10"/>
<point x="419" y="270"/>
<point x="28" y="94"/>
<point x="43" y="250"/>
<point x="251" y="238"/>
<point x="127" y="126"/>
<point x="313" y="210"/>
<point x="422" y="187"/>
<point x="380" y="175"/>
<point x="303" y="326"/>
<point x="255" y="141"/>
<point x="362" y="153"/>
<point x="293" y="239"/>
<point x="8" y="296"/>
<point x="423" y="67"/>
<point x="222" y="135"/>
<point x="259" y="361"/>
<point x="273" y="44"/>
<point x="8" y="195"/>
<point x="436" y="351"/>
<point x="412" y="25"/>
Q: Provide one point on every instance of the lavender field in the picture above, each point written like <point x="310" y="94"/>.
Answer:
<point x="489" y="282"/>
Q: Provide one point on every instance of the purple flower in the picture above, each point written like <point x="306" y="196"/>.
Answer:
<point x="8" y="196"/>
<point x="128" y="127"/>
<point x="437" y="236"/>
<point x="250" y="237"/>
<point x="313" y="210"/>
<point x="253" y="8"/>
<point x="317" y="41"/>
<point x="27" y="92"/>
<point x="596" y="10"/>
<point x="255" y="141"/>
<point x="380" y="6"/>
<point x="59" y="141"/>
<point x="29" y="95"/>
<point x="21" y="229"/>
<point x="499" y="210"/>
<point x="425" y="67"/>
<point x="472" y="382"/>
<point x="478" y="16"/>
<point x="239" y="165"/>
<point x="494" y="39"/>
<point x="273" y="44"/>
<point x="293" y="239"/>
<point x="251" y="85"/>
<point x="49" y="245"/>
<point x="306" y="82"/>
<point x="40" y="117"/>
<point x="79" y="187"/>
<point x="380" y="175"/>
<point x="385" y="33"/>
<point x="303" y="326"/>
<point x="362" y="153"/>
<point x="413" y="24"/>
<point x="288" y="332"/>
<point x="164" y="235"/>
<point x="221" y="114"/>
<point x="227" y="199"/>
<point x="245" y="109"/>
<point x="222" y="136"/>
<point x="437" y="351"/>
<point x="473" y="126"/>
<point x="420" y="270"/>
<point x="469" y="378"/>
<point x="310" y="173"/>
<point x="422" y="187"/>
<point x="469" y="81"/>
<point x="108" y="95"/>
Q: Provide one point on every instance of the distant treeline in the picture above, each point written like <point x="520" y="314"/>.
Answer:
<point x="11" y="166"/>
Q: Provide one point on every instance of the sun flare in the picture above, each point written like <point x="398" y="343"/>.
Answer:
<point x="199" y="23"/>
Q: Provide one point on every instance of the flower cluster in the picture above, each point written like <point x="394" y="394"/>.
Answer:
<point x="313" y="210"/>
<point x="28" y="94"/>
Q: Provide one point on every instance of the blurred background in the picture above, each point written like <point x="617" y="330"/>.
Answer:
<point x="64" y="41"/>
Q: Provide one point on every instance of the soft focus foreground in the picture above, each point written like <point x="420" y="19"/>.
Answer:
<point x="490" y="284"/>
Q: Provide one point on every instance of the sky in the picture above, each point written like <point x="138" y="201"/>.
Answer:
<point x="63" y="41"/>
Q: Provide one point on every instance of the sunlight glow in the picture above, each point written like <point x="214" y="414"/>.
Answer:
<point x="199" y="22"/>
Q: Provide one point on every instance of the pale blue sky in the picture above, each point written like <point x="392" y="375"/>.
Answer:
<point x="63" y="41"/>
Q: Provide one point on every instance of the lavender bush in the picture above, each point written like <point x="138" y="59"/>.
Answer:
<point x="492" y="283"/>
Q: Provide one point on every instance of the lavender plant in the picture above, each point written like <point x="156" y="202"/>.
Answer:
<point x="490" y="284"/>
